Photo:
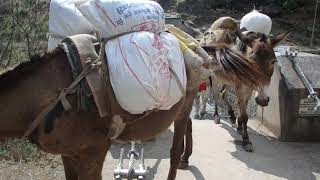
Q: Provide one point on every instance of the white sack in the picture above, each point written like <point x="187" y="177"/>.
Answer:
<point x="113" y="17"/>
<point x="139" y="71"/>
<point x="66" y="20"/>
<point x="257" y="22"/>
<point x="53" y="43"/>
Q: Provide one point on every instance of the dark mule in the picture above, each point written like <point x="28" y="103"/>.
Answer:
<point x="82" y="137"/>
<point x="255" y="47"/>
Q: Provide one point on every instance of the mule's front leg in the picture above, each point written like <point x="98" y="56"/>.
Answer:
<point x="188" y="146"/>
<point x="91" y="162"/>
<point x="244" y="95"/>
<point x="246" y="143"/>
<point x="70" y="169"/>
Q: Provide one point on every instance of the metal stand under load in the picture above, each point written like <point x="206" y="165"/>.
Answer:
<point x="312" y="93"/>
<point x="131" y="173"/>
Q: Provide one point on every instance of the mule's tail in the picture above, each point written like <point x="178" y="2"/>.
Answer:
<point x="235" y="64"/>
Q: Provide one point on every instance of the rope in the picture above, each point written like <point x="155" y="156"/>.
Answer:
<point x="131" y="168"/>
<point x="133" y="154"/>
<point x="258" y="128"/>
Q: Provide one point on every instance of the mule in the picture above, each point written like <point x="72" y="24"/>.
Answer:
<point x="223" y="30"/>
<point x="258" y="48"/>
<point x="81" y="137"/>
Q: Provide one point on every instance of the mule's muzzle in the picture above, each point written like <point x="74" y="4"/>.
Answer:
<point x="262" y="101"/>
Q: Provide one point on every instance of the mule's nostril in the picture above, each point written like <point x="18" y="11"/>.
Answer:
<point x="257" y="100"/>
<point x="262" y="102"/>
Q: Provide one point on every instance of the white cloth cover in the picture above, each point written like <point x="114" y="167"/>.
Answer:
<point x="65" y="20"/>
<point x="257" y="22"/>
<point x="53" y="42"/>
<point x="113" y="17"/>
<point x="139" y="71"/>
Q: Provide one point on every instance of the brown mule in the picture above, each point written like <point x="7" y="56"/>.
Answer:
<point x="255" y="47"/>
<point x="81" y="137"/>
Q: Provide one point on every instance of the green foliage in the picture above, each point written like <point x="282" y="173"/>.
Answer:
<point x="23" y="30"/>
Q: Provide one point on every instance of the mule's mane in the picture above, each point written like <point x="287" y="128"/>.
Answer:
<point x="13" y="75"/>
<point x="242" y="47"/>
<point x="243" y="68"/>
<point x="236" y="64"/>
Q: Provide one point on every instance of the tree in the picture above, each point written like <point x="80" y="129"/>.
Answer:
<point x="23" y="29"/>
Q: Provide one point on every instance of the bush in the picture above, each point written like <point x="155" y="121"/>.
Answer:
<point x="24" y="25"/>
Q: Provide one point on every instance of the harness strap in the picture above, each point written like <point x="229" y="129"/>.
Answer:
<point x="64" y="101"/>
<point x="175" y="76"/>
<point x="60" y="98"/>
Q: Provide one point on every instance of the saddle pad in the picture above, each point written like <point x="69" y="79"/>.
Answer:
<point x="87" y="52"/>
<point x="139" y="69"/>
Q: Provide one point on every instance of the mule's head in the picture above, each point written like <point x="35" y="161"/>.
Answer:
<point x="260" y="50"/>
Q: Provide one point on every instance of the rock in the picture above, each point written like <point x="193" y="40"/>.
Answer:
<point x="289" y="115"/>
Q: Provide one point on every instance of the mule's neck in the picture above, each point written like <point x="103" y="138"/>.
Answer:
<point x="29" y="92"/>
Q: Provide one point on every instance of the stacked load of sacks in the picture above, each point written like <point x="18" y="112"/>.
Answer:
<point x="141" y="56"/>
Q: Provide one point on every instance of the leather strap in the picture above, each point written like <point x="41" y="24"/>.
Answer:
<point x="60" y="98"/>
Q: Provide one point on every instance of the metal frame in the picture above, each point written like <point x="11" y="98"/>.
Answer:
<point x="131" y="173"/>
<point x="312" y="93"/>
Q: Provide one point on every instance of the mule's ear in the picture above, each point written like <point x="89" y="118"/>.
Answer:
<point x="245" y="39"/>
<point x="278" y="39"/>
<point x="243" y="29"/>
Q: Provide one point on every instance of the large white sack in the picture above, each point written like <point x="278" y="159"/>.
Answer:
<point x="113" y="17"/>
<point x="139" y="71"/>
<point x="66" y="20"/>
<point x="257" y="22"/>
<point x="53" y="42"/>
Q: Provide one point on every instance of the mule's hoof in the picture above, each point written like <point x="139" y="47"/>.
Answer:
<point x="202" y="113"/>
<point x="217" y="120"/>
<point x="183" y="165"/>
<point x="197" y="116"/>
<point x="234" y="126"/>
<point x="247" y="146"/>
<point x="233" y="121"/>
<point x="240" y="130"/>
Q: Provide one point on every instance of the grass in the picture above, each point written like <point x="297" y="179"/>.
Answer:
<point x="20" y="150"/>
